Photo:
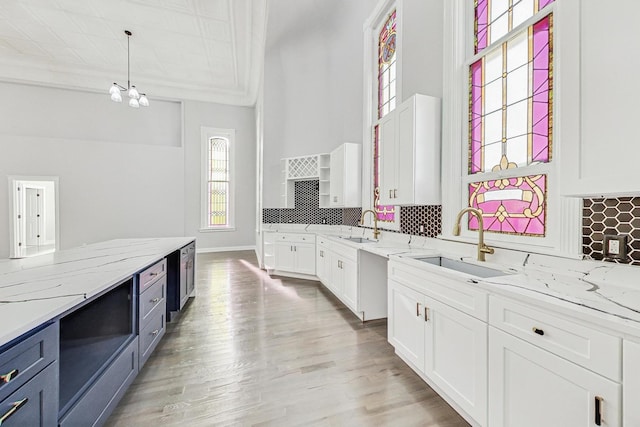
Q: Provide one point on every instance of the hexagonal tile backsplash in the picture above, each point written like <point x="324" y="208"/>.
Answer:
<point x="620" y="216"/>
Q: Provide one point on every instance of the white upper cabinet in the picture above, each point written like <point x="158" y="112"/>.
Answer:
<point x="345" y="184"/>
<point x="410" y="139"/>
<point x="598" y="128"/>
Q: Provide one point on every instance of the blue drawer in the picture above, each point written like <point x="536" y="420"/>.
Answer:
<point x="35" y="403"/>
<point x="22" y="361"/>
<point x="151" y="298"/>
<point x="152" y="333"/>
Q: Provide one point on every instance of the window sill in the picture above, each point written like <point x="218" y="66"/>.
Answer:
<point x="216" y="229"/>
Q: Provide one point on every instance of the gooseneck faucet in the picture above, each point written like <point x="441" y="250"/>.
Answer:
<point x="376" y="232"/>
<point x="482" y="248"/>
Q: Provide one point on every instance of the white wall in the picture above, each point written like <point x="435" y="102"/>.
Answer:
<point x="312" y="82"/>
<point x="242" y="119"/>
<point x="121" y="170"/>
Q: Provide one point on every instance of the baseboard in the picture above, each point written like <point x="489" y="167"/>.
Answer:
<point x="225" y="249"/>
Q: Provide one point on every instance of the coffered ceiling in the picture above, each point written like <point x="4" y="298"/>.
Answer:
<point x="208" y="50"/>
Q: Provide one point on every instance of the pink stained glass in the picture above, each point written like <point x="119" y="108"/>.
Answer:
<point x="486" y="13"/>
<point x="387" y="66"/>
<point x="511" y="205"/>
<point x="537" y="115"/>
<point x="384" y="213"/>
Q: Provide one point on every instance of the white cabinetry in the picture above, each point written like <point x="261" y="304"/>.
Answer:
<point x="323" y="260"/>
<point x="295" y="253"/>
<point x="531" y="387"/>
<point x="444" y="344"/>
<point x="346" y="176"/>
<point x="631" y="390"/>
<point x="304" y="168"/>
<point x="410" y="139"/>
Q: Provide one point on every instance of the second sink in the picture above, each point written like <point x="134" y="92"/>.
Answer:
<point x="358" y="239"/>
<point x="462" y="267"/>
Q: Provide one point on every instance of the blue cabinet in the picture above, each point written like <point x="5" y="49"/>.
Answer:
<point x="152" y="309"/>
<point x="35" y="403"/>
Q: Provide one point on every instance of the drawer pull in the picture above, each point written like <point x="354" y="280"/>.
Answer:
<point x="538" y="331"/>
<point x="156" y="332"/>
<point x="14" y="408"/>
<point x="426" y="314"/>
<point x="7" y="378"/>
<point x="598" y="415"/>
<point x="418" y="309"/>
<point x="155" y="300"/>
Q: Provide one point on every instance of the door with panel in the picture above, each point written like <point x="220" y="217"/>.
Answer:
<point x="305" y="258"/>
<point x="349" y="269"/>
<point x="531" y="387"/>
<point x="284" y="256"/>
<point x="406" y="327"/>
<point x="456" y="356"/>
<point x="387" y="158"/>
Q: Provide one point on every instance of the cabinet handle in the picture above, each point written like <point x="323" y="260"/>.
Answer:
<point x="156" y="332"/>
<point x="155" y="300"/>
<point x="14" y="408"/>
<point x="390" y="196"/>
<point x="538" y="331"/>
<point x="394" y="193"/>
<point x="153" y="274"/>
<point x="598" y="415"/>
<point x="426" y="313"/>
<point x="7" y="378"/>
<point x="418" y="309"/>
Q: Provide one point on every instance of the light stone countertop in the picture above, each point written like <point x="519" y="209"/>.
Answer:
<point x="36" y="290"/>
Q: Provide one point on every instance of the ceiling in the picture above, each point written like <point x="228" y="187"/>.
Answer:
<point x="207" y="50"/>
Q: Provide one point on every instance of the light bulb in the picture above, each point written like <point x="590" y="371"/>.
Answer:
<point x="116" y="97"/>
<point x="114" y="89"/>
<point x="144" y="102"/>
<point x="134" y="103"/>
<point x="133" y="93"/>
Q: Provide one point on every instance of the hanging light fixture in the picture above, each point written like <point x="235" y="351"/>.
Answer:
<point x="136" y="99"/>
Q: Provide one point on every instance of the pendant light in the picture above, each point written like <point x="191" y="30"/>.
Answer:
<point x="136" y="99"/>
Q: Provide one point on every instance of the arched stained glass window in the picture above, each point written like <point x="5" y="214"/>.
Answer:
<point x="386" y="103"/>
<point x="510" y="115"/>
<point x="218" y="182"/>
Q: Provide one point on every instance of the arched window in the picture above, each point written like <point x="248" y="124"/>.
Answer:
<point x="217" y="165"/>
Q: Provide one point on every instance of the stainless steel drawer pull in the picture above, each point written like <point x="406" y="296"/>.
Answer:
<point x="418" y="309"/>
<point x="156" y="332"/>
<point x="14" y="408"/>
<point x="538" y="331"/>
<point x="7" y="378"/>
<point x="155" y="300"/>
<point x="153" y="274"/>
<point x="426" y="314"/>
<point x="598" y="415"/>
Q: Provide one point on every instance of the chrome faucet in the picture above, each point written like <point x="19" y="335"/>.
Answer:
<point x="482" y="248"/>
<point x="376" y="232"/>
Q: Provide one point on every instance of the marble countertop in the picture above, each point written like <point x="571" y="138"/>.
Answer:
<point x="36" y="290"/>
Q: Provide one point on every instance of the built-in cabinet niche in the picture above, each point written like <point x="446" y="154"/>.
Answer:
<point x="409" y="141"/>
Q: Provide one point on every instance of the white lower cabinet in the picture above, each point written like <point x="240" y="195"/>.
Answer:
<point x="456" y="357"/>
<point x="531" y="387"/>
<point x="631" y="389"/>
<point x="445" y="345"/>
<point x="295" y="253"/>
<point x="405" y="327"/>
<point x="323" y="262"/>
<point x="344" y="275"/>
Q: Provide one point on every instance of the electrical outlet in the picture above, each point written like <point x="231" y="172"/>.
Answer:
<point x="422" y="228"/>
<point x="614" y="246"/>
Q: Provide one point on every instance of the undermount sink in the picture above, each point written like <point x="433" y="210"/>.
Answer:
<point x="463" y="267"/>
<point x="358" y="239"/>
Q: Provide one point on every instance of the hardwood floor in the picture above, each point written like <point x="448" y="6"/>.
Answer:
<point x="254" y="350"/>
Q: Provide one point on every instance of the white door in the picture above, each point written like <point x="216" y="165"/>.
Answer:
<point x="406" y="323"/>
<point x="405" y="154"/>
<point x="387" y="147"/>
<point x="631" y="390"/>
<point x="350" y="288"/>
<point x="321" y="265"/>
<point x="337" y="278"/>
<point x="285" y="260"/>
<point x="456" y="357"/>
<point x="530" y="387"/>
<point x="305" y="256"/>
<point x="33" y="212"/>
<point x="336" y="180"/>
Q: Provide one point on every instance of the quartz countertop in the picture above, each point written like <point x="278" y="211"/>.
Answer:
<point x="36" y="290"/>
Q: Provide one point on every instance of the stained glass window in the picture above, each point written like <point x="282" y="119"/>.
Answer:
<point x="387" y="66"/>
<point x="495" y="18"/>
<point x="385" y="213"/>
<point x="218" y="182"/>
<point x="510" y="116"/>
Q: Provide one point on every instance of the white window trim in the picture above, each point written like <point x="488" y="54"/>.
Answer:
<point x="206" y="134"/>
<point x="563" y="215"/>
<point x="371" y="29"/>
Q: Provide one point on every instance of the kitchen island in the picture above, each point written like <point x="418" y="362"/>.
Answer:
<point x="77" y="325"/>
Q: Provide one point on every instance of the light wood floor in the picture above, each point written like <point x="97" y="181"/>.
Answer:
<point x="254" y="350"/>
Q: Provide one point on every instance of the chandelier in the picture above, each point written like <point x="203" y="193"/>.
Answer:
<point x="136" y="99"/>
